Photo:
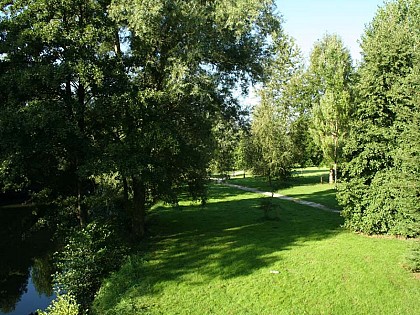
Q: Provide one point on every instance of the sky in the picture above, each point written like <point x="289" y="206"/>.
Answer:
<point x="308" y="20"/>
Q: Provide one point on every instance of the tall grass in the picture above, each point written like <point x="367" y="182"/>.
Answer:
<point x="227" y="258"/>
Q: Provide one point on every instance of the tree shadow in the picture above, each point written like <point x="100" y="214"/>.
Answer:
<point x="223" y="192"/>
<point x="326" y="198"/>
<point x="308" y="180"/>
<point x="297" y="179"/>
<point x="301" y="178"/>
<point x="224" y="239"/>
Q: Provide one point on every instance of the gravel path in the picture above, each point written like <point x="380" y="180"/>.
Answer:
<point x="269" y="194"/>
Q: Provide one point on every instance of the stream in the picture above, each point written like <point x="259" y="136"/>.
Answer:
<point x="25" y="263"/>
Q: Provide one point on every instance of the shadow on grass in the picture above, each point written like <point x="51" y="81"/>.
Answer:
<point x="222" y="192"/>
<point x="261" y="183"/>
<point x="308" y="180"/>
<point x="225" y="239"/>
<point x="325" y="197"/>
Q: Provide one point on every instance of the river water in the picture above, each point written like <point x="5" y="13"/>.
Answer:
<point x="25" y="263"/>
<point x="30" y="300"/>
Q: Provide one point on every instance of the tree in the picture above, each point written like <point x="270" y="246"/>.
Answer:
<point x="330" y="79"/>
<point x="272" y="156"/>
<point x="299" y="99"/>
<point x="381" y="187"/>
<point x="116" y="87"/>
<point x="187" y="57"/>
<point x="272" y="118"/>
<point x="55" y="56"/>
<point x="243" y="151"/>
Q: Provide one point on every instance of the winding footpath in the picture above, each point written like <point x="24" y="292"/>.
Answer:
<point x="269" y="194"/>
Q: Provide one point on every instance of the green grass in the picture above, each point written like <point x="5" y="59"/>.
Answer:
<point x="305" y="184"/>
<point x="224" y="258"/>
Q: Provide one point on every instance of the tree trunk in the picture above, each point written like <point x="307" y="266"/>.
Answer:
<point x="80" y="120"/>
<point x="335" y="174"/>
<point x="331" y="176"/>
<point x="335" y="160"/>
<point x="125" y="195"/>
<point x="117" y="44"/>
<point x="81" y="210"/>
<point x="138" y="216"/>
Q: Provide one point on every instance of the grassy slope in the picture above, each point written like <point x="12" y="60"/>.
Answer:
<point x="219" y="259"/>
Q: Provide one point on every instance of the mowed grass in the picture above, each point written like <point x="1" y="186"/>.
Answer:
<point x="304" y="184"/>
<point x="225" y="258"/>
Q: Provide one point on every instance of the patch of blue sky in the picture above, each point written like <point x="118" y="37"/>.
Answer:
<point x="309" y="20"/>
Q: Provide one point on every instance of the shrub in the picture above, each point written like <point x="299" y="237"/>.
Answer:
<point x="90" y="254"/>
<point x="63" y="305"/>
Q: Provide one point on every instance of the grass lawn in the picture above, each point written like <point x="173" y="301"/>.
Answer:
<point x="225" y="258"/>
<point x="305" y="184"/>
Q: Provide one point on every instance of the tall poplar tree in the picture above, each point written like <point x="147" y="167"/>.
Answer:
<point x="330" y="78"/>
<point x="273" y="116"/>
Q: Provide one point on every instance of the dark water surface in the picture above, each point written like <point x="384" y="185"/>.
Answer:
<point x="25" y="262"/>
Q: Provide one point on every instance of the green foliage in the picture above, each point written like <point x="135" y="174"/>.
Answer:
<point x="381" y="186"/>
<point x="305" y="151"/>
<point x="226" y="134"/>
<point x="89" y="255"/>
<point x="271" y="145"/>
<point x="272" y="118"/>
<point x="243" y="150"/>
<point x="103" y="87"/>
<point x="55" y="73"/>
<point x="64" y="304"/>
<point x="330" y="85"/>
<point x="108" y="198"/>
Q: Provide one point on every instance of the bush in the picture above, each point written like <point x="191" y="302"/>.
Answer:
<point x="62" y="305"/>
<point x="90" y="254"/>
